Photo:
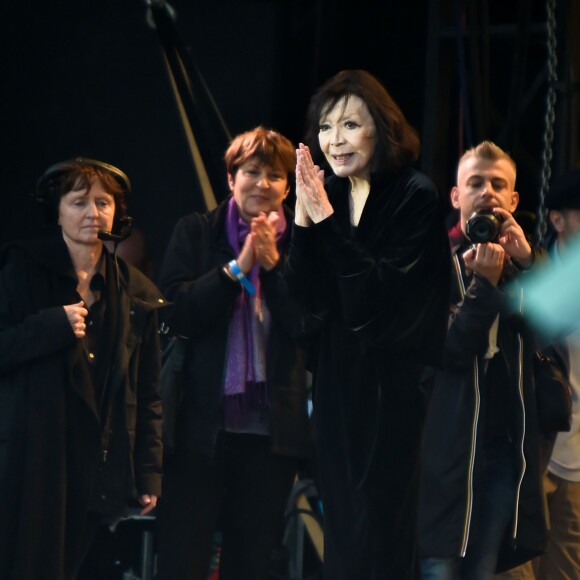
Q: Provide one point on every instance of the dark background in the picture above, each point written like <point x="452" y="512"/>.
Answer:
<point x="89" y="78"/>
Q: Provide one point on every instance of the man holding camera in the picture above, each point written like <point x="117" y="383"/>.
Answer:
<point x="481" y="499"/>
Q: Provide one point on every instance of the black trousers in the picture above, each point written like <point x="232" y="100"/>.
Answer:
<point x="243" y="488"/>
<point x="85" y="541"/>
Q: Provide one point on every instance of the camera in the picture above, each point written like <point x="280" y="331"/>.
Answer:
<point x="484" y="226"/>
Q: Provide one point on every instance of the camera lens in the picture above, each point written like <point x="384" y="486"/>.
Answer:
<point x="483" y="227"/>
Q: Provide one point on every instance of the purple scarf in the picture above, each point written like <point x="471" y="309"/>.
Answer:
<point x="245" y="385"/>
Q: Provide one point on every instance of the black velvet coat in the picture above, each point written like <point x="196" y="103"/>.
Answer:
<point x="381" y="290"/>
<point x="51" y="437"/>
<point x="204" y="298"/>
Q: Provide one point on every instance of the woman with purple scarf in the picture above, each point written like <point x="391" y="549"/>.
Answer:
<point x="242" y="427"/>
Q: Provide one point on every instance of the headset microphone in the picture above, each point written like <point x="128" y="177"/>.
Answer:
<point x="126" y="226"/>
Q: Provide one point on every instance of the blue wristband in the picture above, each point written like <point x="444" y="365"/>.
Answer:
<point x="235" y="269"/>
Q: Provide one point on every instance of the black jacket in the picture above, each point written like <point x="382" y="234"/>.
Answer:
<point x="51" y="436"/>
<point x="454" y="430"/>
<point x="380" y="291"/>
<point x="204" y="298"/>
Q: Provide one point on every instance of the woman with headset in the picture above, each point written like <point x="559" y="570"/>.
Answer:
<point x="80" y="414"/>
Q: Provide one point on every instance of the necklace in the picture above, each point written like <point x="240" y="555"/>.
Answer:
<point x="357" y="198"/>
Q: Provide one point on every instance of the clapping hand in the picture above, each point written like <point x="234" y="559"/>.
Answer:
<point x="310" y="193"/>
<point x="263" y="231"/>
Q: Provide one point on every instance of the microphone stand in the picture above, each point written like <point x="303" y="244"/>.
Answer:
<point x="109" y="236"/>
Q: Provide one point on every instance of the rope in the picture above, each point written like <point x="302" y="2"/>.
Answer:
<point x="549" y="119"/>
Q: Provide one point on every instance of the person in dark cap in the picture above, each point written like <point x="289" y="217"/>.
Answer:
<point x="562" y="477"/>
<point x="563" y="203"/>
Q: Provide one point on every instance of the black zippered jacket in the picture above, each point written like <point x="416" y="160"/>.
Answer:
<point x="454" y="429"/>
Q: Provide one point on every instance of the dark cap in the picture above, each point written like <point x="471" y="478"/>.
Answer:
<point x="565" y="192"/>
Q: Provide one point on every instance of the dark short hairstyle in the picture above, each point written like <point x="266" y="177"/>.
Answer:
<point x="397" y="143"/>
<point x="268" y="146"/>
<point x="78" y="174"/>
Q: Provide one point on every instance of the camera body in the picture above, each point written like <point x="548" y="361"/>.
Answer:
<point x="484" y="226"/>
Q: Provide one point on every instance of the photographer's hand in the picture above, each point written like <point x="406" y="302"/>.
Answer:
<point x="486" y="260"/>
<point x="513" y="239"/>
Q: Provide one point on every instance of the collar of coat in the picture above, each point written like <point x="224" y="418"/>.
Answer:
<point x="52" y="253"/>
